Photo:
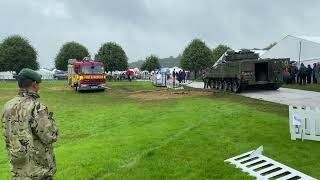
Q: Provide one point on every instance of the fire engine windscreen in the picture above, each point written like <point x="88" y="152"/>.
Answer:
<point x="92" y="69"/>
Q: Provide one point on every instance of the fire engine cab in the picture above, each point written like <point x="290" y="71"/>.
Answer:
<point x="86" y="75"/>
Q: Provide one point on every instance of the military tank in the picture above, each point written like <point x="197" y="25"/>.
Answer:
<point x="238" y="70"/>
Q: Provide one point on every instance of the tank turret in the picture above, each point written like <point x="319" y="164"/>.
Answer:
<point x="242" y="54"/>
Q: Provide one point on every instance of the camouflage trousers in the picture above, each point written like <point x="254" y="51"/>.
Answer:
<point x="29" y="178"/>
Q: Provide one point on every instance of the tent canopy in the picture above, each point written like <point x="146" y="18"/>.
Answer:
<point x="303" y="49"/>
<point x="45" y="73"/>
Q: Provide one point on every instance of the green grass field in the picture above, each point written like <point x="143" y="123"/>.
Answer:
<point x="110" y="135"/>
<point x="308" y="87"/>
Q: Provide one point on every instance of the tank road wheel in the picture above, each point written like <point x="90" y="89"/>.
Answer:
<point x="211" y="84"/>
<point x="235" y="87"/>
<point x="220" y="86"/>
<point x="275" y="86"/>
<point x="225" y="86"/>
<point x="229" y="86"/>
<point x="216" y="84"/>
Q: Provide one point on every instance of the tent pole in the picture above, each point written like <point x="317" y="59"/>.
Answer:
<point x="299" y="51"/>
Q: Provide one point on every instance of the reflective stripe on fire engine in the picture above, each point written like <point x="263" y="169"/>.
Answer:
<point x="94" y="77"/>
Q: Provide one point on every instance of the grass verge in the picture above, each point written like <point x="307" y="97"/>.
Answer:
<point x="308" y="87"/>
<point x="108" y="135"/>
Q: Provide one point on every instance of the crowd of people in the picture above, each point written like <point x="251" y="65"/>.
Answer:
<point x="303" y="74"/>
<point x="180" y="76"/>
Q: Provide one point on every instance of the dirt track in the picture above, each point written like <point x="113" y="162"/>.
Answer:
<point x="159" y="95"/>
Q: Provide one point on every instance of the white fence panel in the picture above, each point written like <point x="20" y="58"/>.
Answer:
<point x="304" y="123"/>
<point x="264" y="168"/>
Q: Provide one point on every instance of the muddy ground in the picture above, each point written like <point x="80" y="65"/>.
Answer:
<point x="167" y="94"/>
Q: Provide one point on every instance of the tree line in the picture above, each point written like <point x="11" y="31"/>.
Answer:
<point x="16" y="52"/>
<point x="195" y="57"/>
<point x="110" y="53"/>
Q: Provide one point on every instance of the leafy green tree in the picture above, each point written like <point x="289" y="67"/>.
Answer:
<point x="196" y="56"/>
<point x="70" y="50"/>
<point x="17" y="53"/>
<point x="218" y="52"/>
<point x="270" y="46"/>
<point x="1" y="59"/>
<point x="164" y="62"/>
<point x="151" y="63"/>
<point x="113" y="56"/>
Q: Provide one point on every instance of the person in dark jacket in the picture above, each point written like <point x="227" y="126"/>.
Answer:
<point x="184" y="76"/>
<point x="177" y="75"/>
<point x="309" y="74"/>
<point x="302" y="74"/>
<point x="317" y="72"/>
<point x="290" y="78"/>
<point x="294" y="73"/>
<point x="314" y="70"/>
<point x="174" y="77"/>
<point x="180" y="77"/>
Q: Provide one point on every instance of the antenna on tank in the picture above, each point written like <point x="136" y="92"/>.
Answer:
<point x="87" y="58"/>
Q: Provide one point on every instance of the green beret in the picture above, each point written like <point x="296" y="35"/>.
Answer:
<point x="30" y="74"/>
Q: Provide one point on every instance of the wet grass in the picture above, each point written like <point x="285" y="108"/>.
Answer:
<point x="308" y="87"/>
<point x="106" y="135"/>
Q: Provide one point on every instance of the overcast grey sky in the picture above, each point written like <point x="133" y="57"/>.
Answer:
<point x="161" y="27"/>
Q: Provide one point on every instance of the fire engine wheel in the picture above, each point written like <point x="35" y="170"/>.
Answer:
<point x="76" y="87"/>
<point x="225" y="86"/>
<point x="235" y="86"/>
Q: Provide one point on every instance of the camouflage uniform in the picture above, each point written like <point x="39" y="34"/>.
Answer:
<point x="29" y="132"/>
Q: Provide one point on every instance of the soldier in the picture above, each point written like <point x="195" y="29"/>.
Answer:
<point x="29" y="131"/>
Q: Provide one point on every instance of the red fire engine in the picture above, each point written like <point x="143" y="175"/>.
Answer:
<point x="86" y="75"/>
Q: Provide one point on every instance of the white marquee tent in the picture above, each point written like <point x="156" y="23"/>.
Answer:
<point x="7" y="75"/>
<point x="176" y="69"/>
<point x="303" y="49"/>
<point x="45" y="74"/>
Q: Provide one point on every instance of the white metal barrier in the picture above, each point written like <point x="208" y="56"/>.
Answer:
<point x="262" y="167"/>
<point x="160" y="79"/>
<point x="304" y="123"/>
<point x="173" y="84"/>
